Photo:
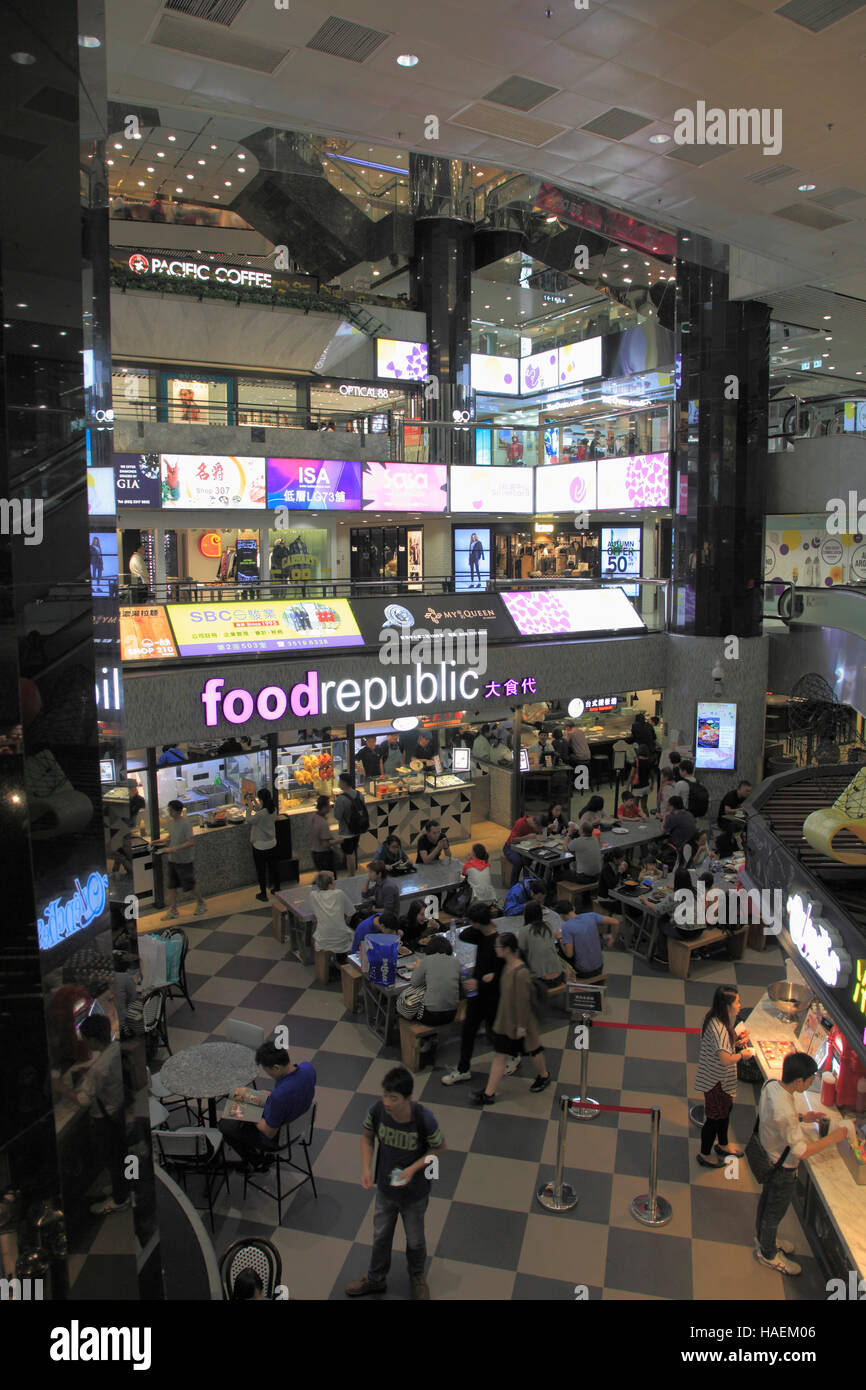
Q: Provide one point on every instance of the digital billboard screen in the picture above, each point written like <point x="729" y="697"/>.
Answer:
<point x="634" y="483"/>
<point x="471" y="558"/>
<point x="281" y="626"/>
<point x="546" y="612"/>
<point x="404" y="487"/>
<point x="498" y="375"/>
<point x="494" y="489"/>
<point x="212" y="481"/>
<point x="400" y="360"/>
<point x="716" y="736"/>
<point x="137" y="480"/>
<point x="314" y="485"/>
<point x="560" y="486"/>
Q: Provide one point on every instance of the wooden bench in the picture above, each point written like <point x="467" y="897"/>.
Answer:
<point x="758" y="938"/>
<point x="680" y="952"/>
<point x="572" y="890"/>
<point x="412" y="1035"/>
<point x="323" y="963"/>
<point x="350" y="977"/>
<point x="279" y="920"/>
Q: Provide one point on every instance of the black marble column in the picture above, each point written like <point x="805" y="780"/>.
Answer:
<point x="720" y="447"/>
<point x="441" y="275"/>
<point x="61" y="706"/>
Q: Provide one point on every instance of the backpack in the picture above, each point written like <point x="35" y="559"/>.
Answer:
<point x="699" y="799"/>
<point x="518" y="896"/>
<point x="417" y="1117"/>
<point x="358" y="819"/>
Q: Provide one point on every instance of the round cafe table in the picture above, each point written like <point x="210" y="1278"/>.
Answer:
<point x="209" y="1070"/>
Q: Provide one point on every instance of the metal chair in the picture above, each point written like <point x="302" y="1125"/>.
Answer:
<point x="153" y="1017"/>
<point x="159" y="1091"/>
<point x="282" y="1153"/>
<point x="176" y="989"/>
<point x="256" y="1254"/>
<point x="248" y="1034"/>
<point x="158" y="1114"/>
<point x="194" y="1152"/>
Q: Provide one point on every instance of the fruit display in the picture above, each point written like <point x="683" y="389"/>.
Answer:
<point x="314" y="767"/>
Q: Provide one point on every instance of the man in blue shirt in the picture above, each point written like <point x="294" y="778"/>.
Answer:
<point x="293" y="1094"/>
<point x="581" y="943"/>
<point x="377" y="922"/>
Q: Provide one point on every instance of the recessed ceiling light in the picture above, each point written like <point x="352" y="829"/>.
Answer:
<point x="825" y="354"/>
<point x="150" y="169"/>
<point x="407" y="60"/>
<point x="827" y="316"/>
<point x="62" y="332"/>
<point x="508" y="296"/>
<point x="89" y="41"/>
<point x="190" y="176"/>
<point x="160" y="154"/>
<point x="178" y="190"/>
<point x="109" y="161"/>
<point x="786" y="348"/>
<point x="829" y="338"/>
<point x="22" y="306"/>
<point x="202" y="161"/>
<point x="34" y="345"/>
<point x="118" y="145"/>
<point x="23" y="60"/>
<point x="627" y="279"/>
<point x="241" y="154"/>
<point x="213" y="147"/>
<point x="858" y="373"/>
<point x="604" y="275"/>
<point x="172" y="137"/>
<point x="228" y="183"/>
<point x="141" y="183"/>
<point x="831" y="369"/>
<point x="216" y="195"/>
<point x="659" y="139"/>
<point x="806" y="187"/>
<point x="377" y="272"/>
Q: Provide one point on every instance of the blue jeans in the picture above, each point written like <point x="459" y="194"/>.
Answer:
<point x="384" y="1225"/>
<point x="774" y="1202"/>
<point x="513" y="858"/>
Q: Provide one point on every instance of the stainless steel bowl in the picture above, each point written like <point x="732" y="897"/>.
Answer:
<point x="790" y="999"/>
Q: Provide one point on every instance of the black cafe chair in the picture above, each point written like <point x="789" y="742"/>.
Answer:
<point x="282" y="1157"/>
<point x="251" y="1253"/>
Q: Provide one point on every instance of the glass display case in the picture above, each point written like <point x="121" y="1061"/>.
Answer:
<point x="307" y="770"/>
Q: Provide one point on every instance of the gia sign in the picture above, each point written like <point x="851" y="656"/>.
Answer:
<point x="818" y="943"/>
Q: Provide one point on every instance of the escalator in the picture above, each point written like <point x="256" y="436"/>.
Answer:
<point x="825" y="633"/>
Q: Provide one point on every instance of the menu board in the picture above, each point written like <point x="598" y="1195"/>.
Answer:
<point x="716" y="736"/>
<point x="283" y="626"/>
<point x="404" y="487"/>
<point x="565" y="485"/>
<point x="314" y="485"/>
<point x="214" y="481"/>
<point x="137" y="480"/>
<point x="400" y="360"/>
<point x="549" y="611"/>
<point x="630" y="484"/>
<point x="579" y="361"/>
<point x="499" y="375"/>
<point x="495" y="489"/>
<point x="145" y="634"/>
<point x="540" y="371"/>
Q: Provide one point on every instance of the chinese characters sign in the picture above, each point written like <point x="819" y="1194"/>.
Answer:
<point x="314" y="485"/>
<point x="296" y="625"/>
<point x="145" y="635"/>
<point x="215" y="481"/>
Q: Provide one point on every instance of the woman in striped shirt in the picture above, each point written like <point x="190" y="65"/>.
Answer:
<point x="717" y="1074"/>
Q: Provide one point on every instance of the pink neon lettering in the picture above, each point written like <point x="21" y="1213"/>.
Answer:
<point x="272" y="702"/>
<point x="230" y="704"/>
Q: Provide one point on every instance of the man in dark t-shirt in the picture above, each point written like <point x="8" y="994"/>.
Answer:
<point x="370" y="757"/>
<point x="410" y="1141"/>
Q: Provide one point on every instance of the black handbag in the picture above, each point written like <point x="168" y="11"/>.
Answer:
<point x="759" y="1160"/>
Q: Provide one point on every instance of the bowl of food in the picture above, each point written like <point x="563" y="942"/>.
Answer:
<point x="789" y="999"/>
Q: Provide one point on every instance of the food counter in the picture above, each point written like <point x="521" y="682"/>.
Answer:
<point x="394" y="813"/>
<point x="830" y="1204"/>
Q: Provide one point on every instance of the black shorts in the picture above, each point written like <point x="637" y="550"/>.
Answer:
<point x="511" y="1047"/>
<point x="350" y="846"/>
<point x="181" y="875"/>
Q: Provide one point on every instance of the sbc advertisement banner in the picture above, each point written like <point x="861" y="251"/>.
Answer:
<point x="553" y="611"/>
<point x="281" y="626"/>
<point x="405" y="487"/>
<point x="314" y="485"/>
<point x="145" y="635"/>
<point x="211" y="481"/>
<point x="495" y="489"/>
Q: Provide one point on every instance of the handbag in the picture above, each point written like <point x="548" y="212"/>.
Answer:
<point x="759" y="1160"/>
<point x="457" y="900"/>
<point x="410" y="1003"/>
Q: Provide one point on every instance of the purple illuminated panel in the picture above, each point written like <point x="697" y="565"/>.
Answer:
<point x="314" y="485"/>
<point x="546" y="612"/>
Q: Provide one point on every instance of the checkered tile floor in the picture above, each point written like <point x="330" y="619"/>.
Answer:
<point x="487" y="1236"/>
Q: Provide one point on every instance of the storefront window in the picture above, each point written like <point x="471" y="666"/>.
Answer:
<point x="606" y="435"/>
<point x="213" y="790"/>
<point x="262" y="401"/>
<point x="196" y="400"/>
<point x="556" y="552"/>
<point x="133" y="393"/>
<point x="298" y="559"/>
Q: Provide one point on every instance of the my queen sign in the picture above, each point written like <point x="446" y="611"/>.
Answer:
<point x="819" y="944"/>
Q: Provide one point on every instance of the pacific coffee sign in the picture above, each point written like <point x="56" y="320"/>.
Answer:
<point x="181" y="266"/>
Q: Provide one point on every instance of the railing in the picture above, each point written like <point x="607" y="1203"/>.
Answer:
<point x="167" y="410"/>
<point x="793" y="417"/>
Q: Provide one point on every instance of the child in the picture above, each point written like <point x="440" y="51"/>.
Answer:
<point x="628" y="808"/>
<point x="408" y="1136"/>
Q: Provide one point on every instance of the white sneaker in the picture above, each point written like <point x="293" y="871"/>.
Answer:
<point x="171" y="915"/>
<point x="453" y="1077"/>
<point x="786" y="1246"/>
<point x="109" y="1207"/>
<point x="779" y="1262"/>
<point x="200" y="910"/>
<point x="512" y="1066"/>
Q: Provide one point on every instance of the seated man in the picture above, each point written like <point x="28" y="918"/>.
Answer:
<point x="581" y="942"/>
<point x="293" y="1094"/>
<point x="586" y="849"/>
<point x="680" y="825"/>
<point x="381" y="887"/>
<point x="378" y="922"/>
<point x="731" y="817"/>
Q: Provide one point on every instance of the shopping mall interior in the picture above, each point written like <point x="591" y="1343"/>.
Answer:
<point x="469" y="768"/>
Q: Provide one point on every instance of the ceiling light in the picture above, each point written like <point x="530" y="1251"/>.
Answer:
<point x="150" y="169"/>
<point x="786" y="348"/>
<point x="118" y="145"/>
<point x="172" y="137"/>
<point x="62" y="333"/>
<point x="141" y="183"/>
<point x="190" y="176"/>
<point x="241" y="154"/>
<point x="831" y="369"/>
<point x="825" y="354"/>
<point x="829" y="338"/>
<point x="858" y="373"/>
<point x="160" y="154"/>
<point x="213" y="147"/>
<point x="827" y="316"/>
<point x="89" y="41"/>
<point x="604" y="275"/>
<point x="407" y="60"/>
<point x="216" y="195"/>
<point x="627" y="279"/>
<point x="659" y="139"/>
<point x="806" y="187"/>
<point x="22" y="306"/>
<point x="109" y="161"/>
<point x="228" y="183"/>
<point x="24" y="60"/>
<point x="178" y="190"/>
<point x="508" y="296"/>
<point x="377" y="272"/>
<point x="551" y="219"/>
<point x="201" y="161"/>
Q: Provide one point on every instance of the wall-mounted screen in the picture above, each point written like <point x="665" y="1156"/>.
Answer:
<point x="100" y="491"/>
<point x="106" y="770"/>
<point x="563" y="486"/>
<point x="137" y="480"/>
<point x="103" y="562"/>
<point x="631" y="484"/>
<point x="539" y="372"/>
<point x="524" y="760"/>
<point x="550" y="611"/>
<point x="211" y="481"/>
<point x="579" y="361"/>
<point x="495" y="489"/>
<point x="404" y="487"/>
<point x="716" y="736"/>
<point x="314" y="485"/>
<point x="400" y="360"/>
<point x="620" y="551"/>
<point x="471" y="566"/>
<point x="497" y="375"/>
<point x="282" y="626"/>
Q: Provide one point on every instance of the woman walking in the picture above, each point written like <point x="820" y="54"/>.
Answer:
<point x="717" y="1074"/>
<point x="515" y="1024"/>
<point x="263" y="840"/>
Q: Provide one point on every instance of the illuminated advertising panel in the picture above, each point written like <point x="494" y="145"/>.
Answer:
<point x="550" y="611"/>
<point x="212" y="481"/>
<point x="145" y="634"/>
<point x="560" y="487"/>
<point x="498" y="375"/>
<point x="716" y="736"/>
<point x="405" y="487"/>
<point x="400" y="360"/>
<point x="539" y="372"/>
<point x="631" y="484"/>
<point x="314" y="485"/>
<point x="579" y="361"/>
<point x="282" y="626"/>
<point x="494" y="489"/>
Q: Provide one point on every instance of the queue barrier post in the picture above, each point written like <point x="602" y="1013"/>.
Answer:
<point x="584" y="1001"/>
<point x="559" y="1195"/>
<point x="649" y="1208"/>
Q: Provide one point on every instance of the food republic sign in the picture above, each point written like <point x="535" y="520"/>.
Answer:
<point x="311" y="697"/>
<point x="819" y="944"/>
<point x="200" y="270"/>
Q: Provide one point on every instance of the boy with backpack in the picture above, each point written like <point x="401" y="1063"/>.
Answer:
<point x="353" y="819"/>
<point x="696" y="798"/>
<point x="409" y="1138"/>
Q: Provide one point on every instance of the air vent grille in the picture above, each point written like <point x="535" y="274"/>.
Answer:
<point x="341" y="38"/>
<point x="202" y="41"/>
<point x="616" y="124"/>
<point x="216" y="11"/>
<point x="493" y="120"/>
<point x="765" y="176"/>
<point x="809" y="216"/>
<point x="521" y="93"/>
<point x="836" y="197"/>
<point x="818" y="15"/>
<point x="698" y="154"/>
